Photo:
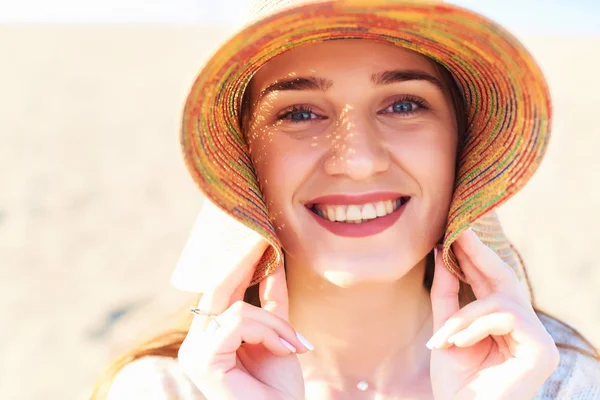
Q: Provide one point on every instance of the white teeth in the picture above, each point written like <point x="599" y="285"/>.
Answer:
<point x="369" y="212"/>
<point x="389" y="206"/>
<point x="340" y="213"/>
<point x="353" y="213"/>
<point x="330" y="213"/>
<point x="380" y="207"/>
<point x="357" y="214"/>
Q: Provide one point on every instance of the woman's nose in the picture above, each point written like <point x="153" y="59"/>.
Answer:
<point x="357" y="151"/>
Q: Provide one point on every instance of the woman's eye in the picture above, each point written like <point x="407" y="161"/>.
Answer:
<point x="405" y="107"/>
<point x="301" y="116"/>
<point x="298" y="114"/>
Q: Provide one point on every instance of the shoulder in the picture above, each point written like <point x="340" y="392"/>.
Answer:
<point x="153" y="378"/>
<point x="578" y="374"/>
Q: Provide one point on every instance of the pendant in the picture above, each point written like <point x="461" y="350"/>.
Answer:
<point x="362" y="386"/>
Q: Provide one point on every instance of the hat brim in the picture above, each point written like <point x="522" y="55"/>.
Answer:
<point x="505" y="93"/>
<point x="218" y="246"/>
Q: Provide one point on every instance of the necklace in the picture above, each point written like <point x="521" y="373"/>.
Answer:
<point x="362" y="386"/>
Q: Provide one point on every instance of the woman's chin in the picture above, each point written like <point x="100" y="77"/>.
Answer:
<point x="349" y="275"/>
<point x="347" y="279"/>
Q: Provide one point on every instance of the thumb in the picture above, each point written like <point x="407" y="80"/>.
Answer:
<point x="274" y="294"/>
<point x="444" y="292"/>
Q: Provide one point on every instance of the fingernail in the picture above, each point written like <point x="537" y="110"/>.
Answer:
<point x="435" y="251"/>
<point x="439" y="339"/>
<point x="288" y="345"/>
<point x="305" y="342"/>
<point x="430" y="343"/>
<point x="433" y="342"/>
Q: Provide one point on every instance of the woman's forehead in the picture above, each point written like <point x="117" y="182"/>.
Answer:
<point x="328" y="59"/>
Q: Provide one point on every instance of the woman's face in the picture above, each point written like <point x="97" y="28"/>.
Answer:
<point x="354" y="144"/>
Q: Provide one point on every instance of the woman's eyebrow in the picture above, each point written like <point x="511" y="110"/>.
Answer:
<point x="399" y="75"/>
<point x="307" y="83"/>
<point x="378" y="79"/>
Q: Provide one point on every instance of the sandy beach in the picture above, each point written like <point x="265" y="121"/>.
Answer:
<point x="96" y="204"/>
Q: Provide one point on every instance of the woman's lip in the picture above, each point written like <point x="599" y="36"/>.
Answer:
<point x="348" y="199"/>
<point x="364" y="229"/>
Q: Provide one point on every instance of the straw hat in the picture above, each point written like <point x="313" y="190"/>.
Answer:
<point x="506" y="98"/>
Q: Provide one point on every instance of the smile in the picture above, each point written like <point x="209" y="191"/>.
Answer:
<point x="358" y="216"/>
<point x="357" y="213"/>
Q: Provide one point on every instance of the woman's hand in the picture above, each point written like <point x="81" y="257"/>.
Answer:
<point x="240" y="351"/>
<point x="495" y="347"/>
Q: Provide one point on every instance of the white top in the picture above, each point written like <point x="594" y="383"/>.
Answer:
<point x="160" y="378"/>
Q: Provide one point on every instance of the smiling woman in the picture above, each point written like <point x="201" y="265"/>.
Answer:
<point x="363" y="172"/>
<point x="357" y="135"/>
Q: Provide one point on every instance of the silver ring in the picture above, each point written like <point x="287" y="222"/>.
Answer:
<point x="203" y="313"/>
<point x="211" y="324"/>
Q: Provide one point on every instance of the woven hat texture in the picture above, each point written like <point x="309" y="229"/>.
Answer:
<point x="505" y="93"/>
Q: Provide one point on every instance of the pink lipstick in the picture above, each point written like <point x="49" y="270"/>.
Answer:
<point x="358" y="215"/>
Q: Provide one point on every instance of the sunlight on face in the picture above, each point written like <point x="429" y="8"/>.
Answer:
<point x="354" y="143"/>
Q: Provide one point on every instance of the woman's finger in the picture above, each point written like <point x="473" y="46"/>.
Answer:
<point x="499" y="323"/>
<point x="282" y="327"/>
<point x="240" y="291"/>
<point x="444" y="293"/>
<point x="462" y="319"/>
<point x="478" y="282"/>
<point x="230" y="335"/>
<point x="218" y="299"/>
<point x="274" y="294"/>
<point x="483" y="259"/>
<point x="241" y="311"/>
<point x="212" y="342"/>
<point x="213" y="352"/>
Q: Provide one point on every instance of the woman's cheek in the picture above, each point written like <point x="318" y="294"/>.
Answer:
<point x="442" y="175"/>
<point x="272" y="173"/>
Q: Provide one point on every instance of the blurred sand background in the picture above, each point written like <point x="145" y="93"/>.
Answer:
<point x="95" y="202"/>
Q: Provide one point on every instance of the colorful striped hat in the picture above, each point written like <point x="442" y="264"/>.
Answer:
<point x="506" y="97"/>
